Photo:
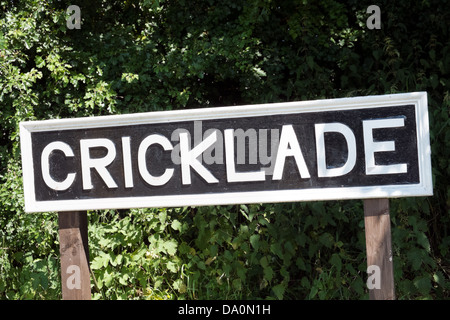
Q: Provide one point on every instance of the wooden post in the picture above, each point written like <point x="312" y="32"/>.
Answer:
<point x="74" y="253"/>
<point x="379" y="250"/>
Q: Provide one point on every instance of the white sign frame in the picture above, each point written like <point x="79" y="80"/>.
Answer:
<point x="418" y="99"/>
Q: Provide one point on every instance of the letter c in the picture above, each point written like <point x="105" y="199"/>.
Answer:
<point x="45" y="157"/>
<point x="142" y="162"/>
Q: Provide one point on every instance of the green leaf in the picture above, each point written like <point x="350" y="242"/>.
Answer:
<point x="201" y="265"/>
<point x="310" y="62"/>
<point x="176" y="225"/>
<point x="313" y="292"/>
<point x="439" y="278"/>
<point x="100" y="261"/>
<point x="2" y="42"/>
<point x="336" y="261"/>
<point x="416" y="258"/>
<point x="237" y="284"/>
<point x="123" y="279"/>
<point x="423" y="241"/>
<point x="300" y="264"/>
<point x="254" y="240"/>
<point x="263" y="261"/>
<point x="326" y="239"/>
<point x="423" y="284"/>
<point x="172" y="267"/>
<point x="108" y="278"/>
<point x="268" y="273"/>
<point x="279" y="291"/>
<point x="213" y="250"/>
<point x="117" y="260"/>
<point x="39" y="62"/>
<point x="275" y="248"/>
<point x="180" y="286"/>
<point x="171" y="247"/>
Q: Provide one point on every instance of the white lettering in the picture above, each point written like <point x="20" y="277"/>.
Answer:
<point x="142" y="160"/>
<point x="127" y="169"/>
<point x="322" y="169"/>
<point x="99" y="164"/>
<point x="216" y="148"/>
<point x="245" y="309"/>
<point x="189" y="158"/>
<point x="232" y="175"/>
<point x="45" y="166"/>
<point x="289" y="147"/>
<point x="370" y="146"/>
<point x="206" y="311"/>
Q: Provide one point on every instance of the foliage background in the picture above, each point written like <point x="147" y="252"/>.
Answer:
<point x="134" y="56"/>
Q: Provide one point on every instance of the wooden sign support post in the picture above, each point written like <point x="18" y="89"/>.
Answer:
<point x="379" y="251"/>
<point x="74" y="252"/>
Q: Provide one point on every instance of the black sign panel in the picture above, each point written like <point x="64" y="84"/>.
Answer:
<point x="320" y="150"/>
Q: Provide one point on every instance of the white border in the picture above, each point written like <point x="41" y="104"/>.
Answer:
<point x="424" y="188"/>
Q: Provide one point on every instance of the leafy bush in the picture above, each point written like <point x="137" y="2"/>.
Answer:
<point x="132" y="56"/>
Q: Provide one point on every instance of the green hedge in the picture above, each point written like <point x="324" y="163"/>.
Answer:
<point x="135" y="56"/>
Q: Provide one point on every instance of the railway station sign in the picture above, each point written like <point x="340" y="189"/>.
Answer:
<point x="347" y="148"/>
